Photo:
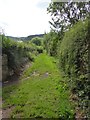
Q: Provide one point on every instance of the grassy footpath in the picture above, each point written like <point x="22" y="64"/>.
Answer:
<point x="42" y="93"/>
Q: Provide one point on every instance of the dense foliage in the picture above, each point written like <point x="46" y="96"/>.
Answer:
<point x="71" y="20"/>
<point x="37" y="41"/>
<point x="72" y="51"/>
<point x="18" y="52"/>
<point x="50" y="43"/>
<point x="67" y="13"/>
<point x="73" y="59"/>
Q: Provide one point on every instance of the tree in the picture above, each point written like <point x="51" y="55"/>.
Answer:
<point x="65" y="14"/>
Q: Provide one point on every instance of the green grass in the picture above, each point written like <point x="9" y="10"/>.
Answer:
<point x="43" y="93"/>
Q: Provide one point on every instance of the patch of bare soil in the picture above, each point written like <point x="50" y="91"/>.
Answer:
<point x="79" y="114"/>
<point x="46" y="74"/>
<point x="36" y="73"/>
<point x="6" y="112"/>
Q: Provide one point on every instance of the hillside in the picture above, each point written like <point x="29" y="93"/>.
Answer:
<point x="25" y="38"/>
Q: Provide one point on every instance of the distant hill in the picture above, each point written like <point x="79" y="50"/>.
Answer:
<point x="14" y="38"/>
<point x="25" y="38"/>
<point x="32" y="36"/>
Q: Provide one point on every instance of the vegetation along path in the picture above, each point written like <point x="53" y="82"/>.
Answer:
<point x="43" y="93"/>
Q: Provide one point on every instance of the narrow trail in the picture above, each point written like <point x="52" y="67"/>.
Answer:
<point x="43" y="95"/>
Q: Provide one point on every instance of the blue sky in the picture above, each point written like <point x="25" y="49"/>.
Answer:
<point x="24" y="17"/>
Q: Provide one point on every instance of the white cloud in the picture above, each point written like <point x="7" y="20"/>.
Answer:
<point x="24" y="17"/>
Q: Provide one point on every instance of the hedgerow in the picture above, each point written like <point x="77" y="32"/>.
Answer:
<point x="73" y="60"/>
<point x="18" y="53"/>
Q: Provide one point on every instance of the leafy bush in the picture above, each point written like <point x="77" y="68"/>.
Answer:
<point x="39" y="49"/>
<point x="51" y="42"/>
<point x="30" y="56"/>
<point x="18" y="53"/>
<point x="73" y="59"/>
<point x="37" y="41"/>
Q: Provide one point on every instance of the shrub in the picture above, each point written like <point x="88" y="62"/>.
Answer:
<point x="37" y="41"/>
<point x="18" y="53"/>
<point x="40" y="49"/>
<point x="30" y="56"/>
<point x="50" y="43"/>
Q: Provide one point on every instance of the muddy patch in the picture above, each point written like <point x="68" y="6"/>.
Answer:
<point x="35" y="73"/>
<point x="47" y="74"/>
<point x="7" y="112"/>
<point x="44" y="75"/>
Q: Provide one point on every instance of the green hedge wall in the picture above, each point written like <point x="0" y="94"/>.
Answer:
<point x="18" y="53"/>
<point x="73" y="59"/>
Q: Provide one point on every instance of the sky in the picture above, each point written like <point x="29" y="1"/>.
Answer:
<point x="20" y="18"/>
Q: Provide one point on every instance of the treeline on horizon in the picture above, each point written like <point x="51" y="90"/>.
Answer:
<point x="25" y="38"/>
